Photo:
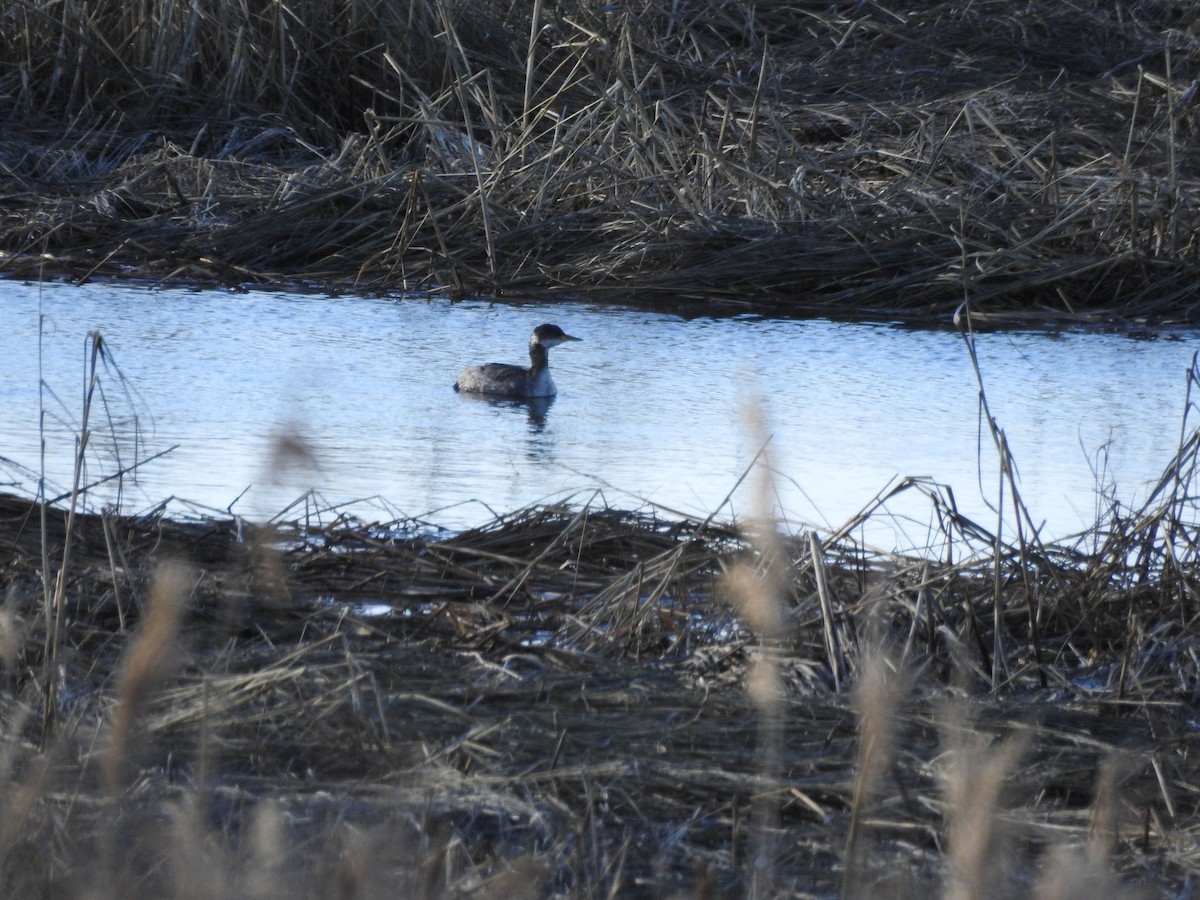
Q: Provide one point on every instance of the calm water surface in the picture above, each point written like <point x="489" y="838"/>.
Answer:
<point x="650" y="407"/>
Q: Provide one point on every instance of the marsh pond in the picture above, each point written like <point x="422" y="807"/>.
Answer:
<point x="259" y="397"/>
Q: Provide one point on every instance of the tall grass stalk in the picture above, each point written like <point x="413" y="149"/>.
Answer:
<point x="829" y="624"/>
<point x="1008" y="481"/>
<point x="759" y="590"/>
<point x="880" y="689"/>
<point x="535" y="24"/>
<point x="54" y="612"/>
<point x="44" y="538"/>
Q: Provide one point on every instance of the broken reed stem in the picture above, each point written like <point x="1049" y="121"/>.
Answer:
<point x="756" y="104"/>
<point x="535" y="24"/>
<point x="43" y="510"/>
<point x="54" y="614"/>
<point x="106" y="519"/>
<point x="1185" y="462"/>
<point x="1007" y="484"/>
<point x="1023" y="563"/>
<point x="829" y="626"/>
<point x="997" y="569"/>
<point x="1172" y="144"/>
<point x="462" y="80"/>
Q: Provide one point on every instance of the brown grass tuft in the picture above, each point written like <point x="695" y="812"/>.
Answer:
<point x="152" y="654"/>
<point x="980" y="853"/>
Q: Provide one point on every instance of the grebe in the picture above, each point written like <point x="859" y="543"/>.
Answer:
<point x="513" y="381"/>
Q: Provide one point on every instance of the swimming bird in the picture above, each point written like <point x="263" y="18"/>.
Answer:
<point x="504" y="380"/>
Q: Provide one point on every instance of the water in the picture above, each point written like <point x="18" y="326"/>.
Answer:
<point x="650" y="408"/>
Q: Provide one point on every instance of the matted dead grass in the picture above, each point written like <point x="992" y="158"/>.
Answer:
<point x="1032" y="158"/>
<point x="582" y="701"/>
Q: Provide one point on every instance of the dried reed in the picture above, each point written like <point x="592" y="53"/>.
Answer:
<point x="797" y="158"/>
<point x="501" y="722"/>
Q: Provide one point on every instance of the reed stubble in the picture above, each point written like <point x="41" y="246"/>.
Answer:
<point x="845" y="158"/>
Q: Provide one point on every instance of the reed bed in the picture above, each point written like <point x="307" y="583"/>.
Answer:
<point x="1034" y="159"/>
<point x="574" y="700"/>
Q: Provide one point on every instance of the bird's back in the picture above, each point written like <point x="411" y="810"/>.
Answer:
<point x="494" y="378"/>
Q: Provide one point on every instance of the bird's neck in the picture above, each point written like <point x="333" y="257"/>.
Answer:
<point x="539" y="358"/>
